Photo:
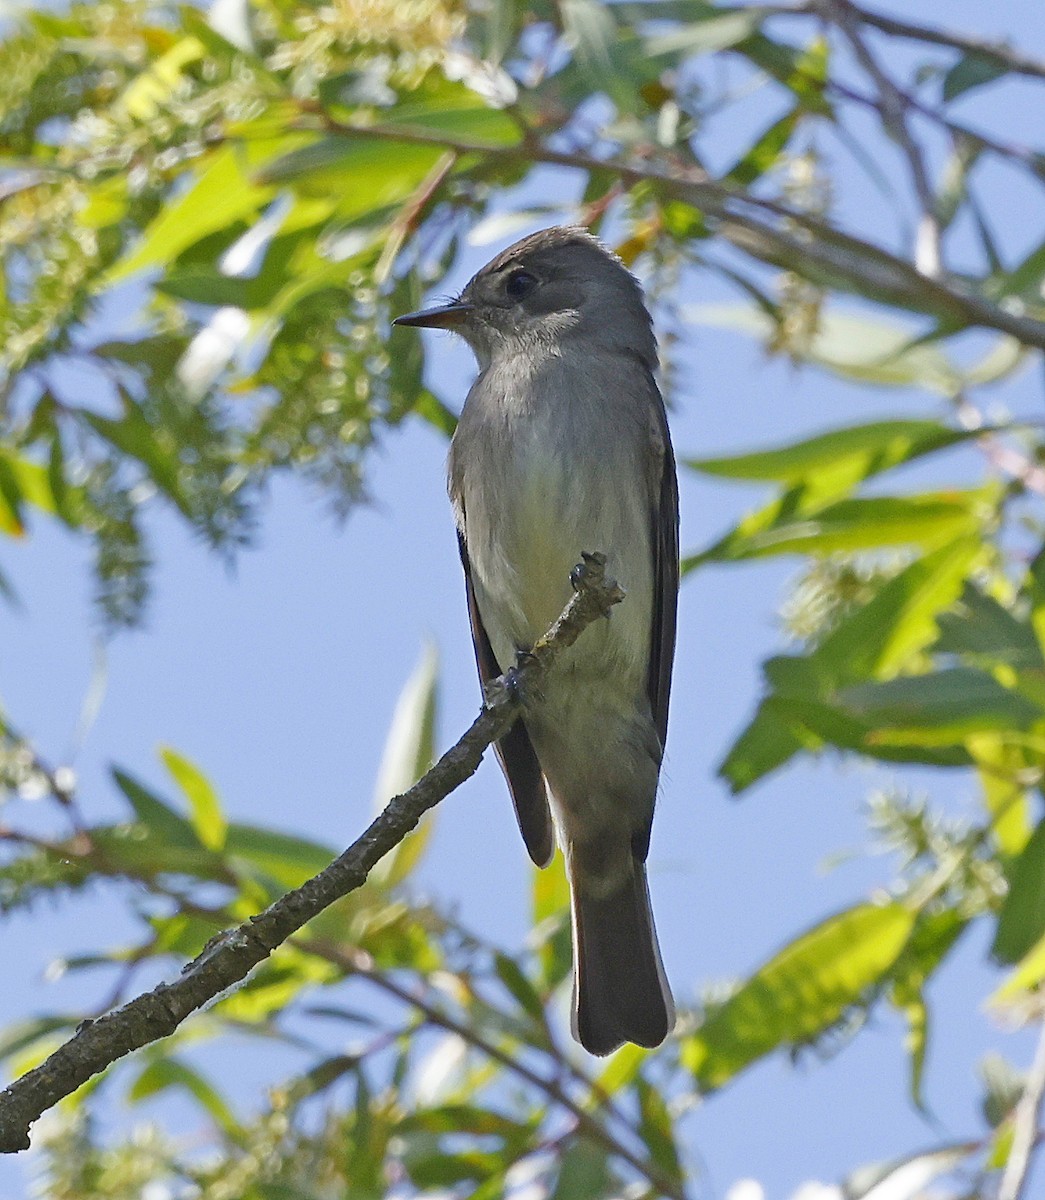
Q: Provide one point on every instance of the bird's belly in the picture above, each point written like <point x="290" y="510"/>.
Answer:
<point x="528" y="533"/>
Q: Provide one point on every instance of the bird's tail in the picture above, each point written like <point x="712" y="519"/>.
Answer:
<point x="620" y="991"/>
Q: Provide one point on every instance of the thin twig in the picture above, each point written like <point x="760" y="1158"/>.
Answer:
<point x="410" y="215"/>
<point x="893" y="110"/>
<point x="1007" y="460"/>
<point x="229" y="957"/>
<point x="1025" y="1121"/>
<point x="1014" y="151"/>
<point x="999" y="53"/>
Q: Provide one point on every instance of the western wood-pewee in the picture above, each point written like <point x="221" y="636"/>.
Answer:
<point x="562" y="447"/>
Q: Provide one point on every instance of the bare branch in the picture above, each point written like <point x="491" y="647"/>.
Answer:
<point x="228" y="958"/>
<point x="999" y="53"/>
<point x="1015" y="151"/>
<point x="893" y="108"/>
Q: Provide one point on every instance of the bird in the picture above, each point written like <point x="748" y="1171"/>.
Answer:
<point x="563" y="447"/>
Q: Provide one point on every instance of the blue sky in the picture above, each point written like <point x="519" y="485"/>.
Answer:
<point x="279" y="678"/>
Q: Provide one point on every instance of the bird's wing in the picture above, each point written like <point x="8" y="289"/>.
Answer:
<point x="514" y="751"/>
<point x="664" y="518"/>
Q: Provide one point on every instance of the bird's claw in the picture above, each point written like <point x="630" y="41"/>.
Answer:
<point x="590" y="569"/>
<point x="513" y="676"/>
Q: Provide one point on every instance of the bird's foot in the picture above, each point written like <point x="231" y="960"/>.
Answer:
<point x="589" y="572"/>
<point x="513" y="679"/>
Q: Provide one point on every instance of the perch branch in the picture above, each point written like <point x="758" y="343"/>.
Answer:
<point x="231" y="955"/>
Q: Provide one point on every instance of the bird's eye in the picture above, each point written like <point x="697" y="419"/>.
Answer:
<point x="520" y="284"/>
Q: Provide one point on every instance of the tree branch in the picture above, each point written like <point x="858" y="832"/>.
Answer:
<point x="1014" y="151"/>
<point x="893" y="108"/>
<point x="766" y="229"/>
<point x="1000" y="53"/>
<point x="228" y="958"/>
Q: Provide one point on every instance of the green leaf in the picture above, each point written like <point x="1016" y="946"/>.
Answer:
<point x="68" y="498"/>
<point x="953" y="191"/>
<point x="705" y="29"/>
<point x="930" y="943"/>
<point x="463" y="1118"/>
<point x="584" y="1172"/>
<point x="278" y="856"/>
<point x="907" y="1178"/>
<point x="200" y="284"/>
<point x="1000" y="361"/>
<point x="274" y="984"/>
<point x="1006" y="766"/>
<point x="11" y="501"/>
<point x="364" y="174"/>
<point x="833" y="463"/>
<point x="431" y="409"/>
<point x="812" y="723"/>
<point x="595" y="39"/>
<point x="204" y="806"/>
<point x="802" y="70"/>
<point x="798" y="524"/>
<point x="182" y="934"/>
<point x="551" y="922"/>
<point x="876" y="640"/>
<point x="140" y="853"/>
<point x="1021" y="922"/>
<point x="406" y="369"/>
<point x="25" y="1035"/>
<point x="136" y="437"/>
<point x="869" y="350"/>
<point x="224" y="192"/>
<point x="1024" y="280"/>
<point x="448" y="107"/>
<point x="409" y="752"/>
<point x="800" y="992"/>
<point x="981" y="629"/>
<point x="768" y="741"/>
<point x="622" y="1069"/>
<point x="656" y="1129"/>
<point x="23" y="481"/>
<point x="1003" y="1088"/>
<point x="938" y="708"/>
<point x="442" y="1169"/>
<point x="1020" y="985"/>
<point x="519" y="987"/>
<point x="971" y="71"/>
<point x="150" y="92"/>
<point x="900" y="620"/>
<point x="765" y="152"/>
<point x="165" y="1073"/>
<point x="156" y="814"/>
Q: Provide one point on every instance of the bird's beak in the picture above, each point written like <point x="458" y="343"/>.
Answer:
<point x="445" y="316"/>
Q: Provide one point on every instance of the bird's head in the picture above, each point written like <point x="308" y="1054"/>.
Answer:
<point x="556" y="288"/>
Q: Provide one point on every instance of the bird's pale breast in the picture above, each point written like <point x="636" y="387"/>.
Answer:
<point x="549" y="489"/>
